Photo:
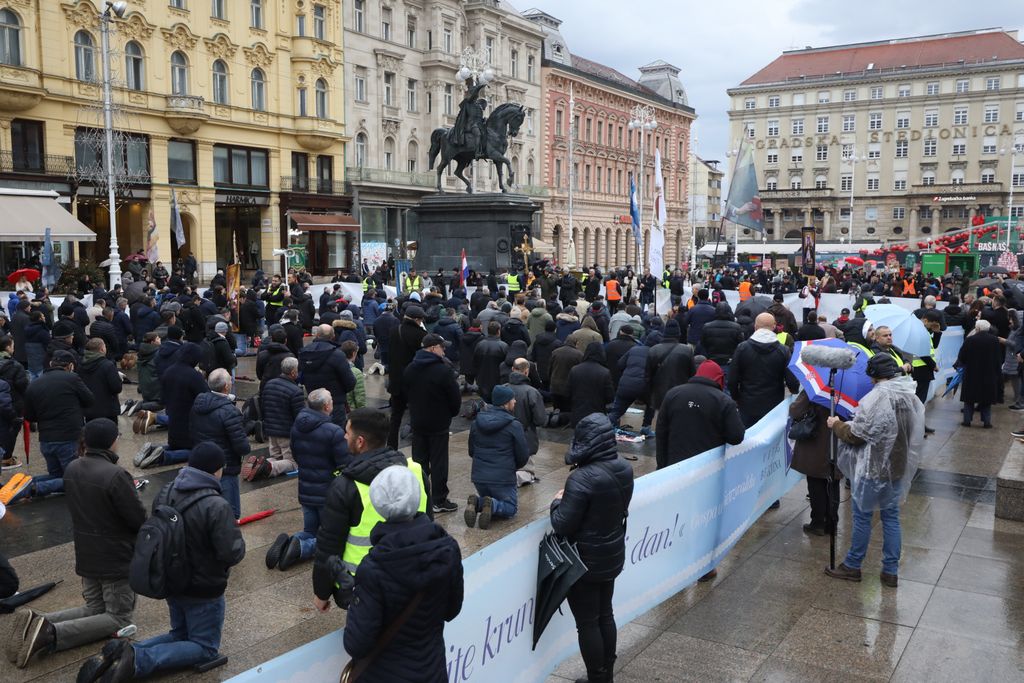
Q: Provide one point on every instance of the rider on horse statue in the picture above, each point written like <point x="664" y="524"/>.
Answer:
<point x="469" y="128"/>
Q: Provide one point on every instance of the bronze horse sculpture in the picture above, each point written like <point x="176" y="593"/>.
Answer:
<point x="503" y="123"/>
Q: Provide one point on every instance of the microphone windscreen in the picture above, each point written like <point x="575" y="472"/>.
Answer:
<point x="824" y="356"/>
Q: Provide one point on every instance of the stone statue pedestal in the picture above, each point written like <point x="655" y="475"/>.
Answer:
<point x="488" y="226"/>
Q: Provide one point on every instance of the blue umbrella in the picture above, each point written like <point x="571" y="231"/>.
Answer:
<point x="954" y="382"/>
<point x="851" y="385"/>
<point x="908" y="333"/>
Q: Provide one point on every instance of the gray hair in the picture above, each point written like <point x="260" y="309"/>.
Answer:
<point x="929" y="300"/>
<point x="289" y="365"/>
<point x="219" y="381"/>
<point x="983" y="326"/>
<point x="319" y="399"/>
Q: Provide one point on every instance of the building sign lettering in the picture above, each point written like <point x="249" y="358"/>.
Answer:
<point x="242" y="199"/>
<point x="989" y="130"/>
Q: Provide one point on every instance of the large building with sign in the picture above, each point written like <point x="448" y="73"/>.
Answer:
<point x="606" y="151"/>
<point x="235" y="106"/>
<point x="917" y="135"/>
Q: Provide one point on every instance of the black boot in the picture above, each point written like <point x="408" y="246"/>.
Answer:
<point x="602" y="675"/>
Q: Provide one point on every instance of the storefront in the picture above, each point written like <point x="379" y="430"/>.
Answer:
<point x="326" y="229"/>
<point x="26" y="214"/>
<point x="132" y="218"/>
<point x="238" y="216"/>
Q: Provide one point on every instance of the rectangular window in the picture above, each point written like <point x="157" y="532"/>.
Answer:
<point x="256" y="13"/>
<point x="847" y="151"/>
<point x="849" y="96"/>
<point x="558" y="172"/>
<point x="824" y="97"/>
<point x="530" y="66"/>
<point x="131" y="152"/>
<point x="902" y="149"/>
<point x="903" y="91"/>
<point x="871" y="213"/>
<point x="589" y="129"/>
<point x="845" y="183"/>
<point x="872" y="182"/>
<point x="360" y="88"/>
<point x="1019" y="116"/>
<point x="899" y="213"/>
<point x="181" y="161"/>
<point x="992" y="83"/>
<point x="751" y="131"/>
<point x="750" y="103"/>
<point x="988" y="176"/>
<point x="513" y="60"/>
<point x="217" y="9"/>
<point x="903" y="120"/>
<point x="773" y="128"/>
<point x="319" y="22"/>
<point x="931" y="118"/>
<point x="773" y="101"/>
<point x="240" y="166"/>
<point x="963" y="85"/>
<point x="932" y="88"/>
<point x="410" y="31"/>
<point x="385" y="23"/>
<point x="600" y="131"/>
<point x="389" y="89"/>
<point x="558" y="121"/>
<point x="300" y="172"/>
<point x="771" y="184"/>
<point x="410" y="95"/>
<point x="359" y="15"/>
<point x="875" y="120"/>
<point x="797" y="127"/>
<point x="849" y="123"/>
<point x="178" y="4"/>
<point x="325" y="174"/>
<point x="988" y="145"/>
<point x="899" y="184"/>
<point x="930" y="147"/>
<point x="960" y="116"/>
<point x="27" y="146"/>
<point x="448" y="44"/>
<point x="797" y="156"/>
<point x="821" y="153"/>
<point x="822" y="124"/>
<point x="773" y="157"/>
<point x="820" y="183"/>
<point x="489" y="49"/>
<point x="991" y="113"/>
<point x="300" y="25"/>
<point x="874" y="150"/>
<point x="796" y="182"/>
<point x="449" y="99"/>
<point x="876" y="92"/>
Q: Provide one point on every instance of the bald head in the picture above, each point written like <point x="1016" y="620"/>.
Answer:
<point x="324" y="332"/>
<point x="764" y="321"/>
<point x="522" y="366"/>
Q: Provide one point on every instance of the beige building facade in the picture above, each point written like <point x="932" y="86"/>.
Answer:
<point x="705" y="198"/>
<point x="923" y="133"/>
<point x="238" y="107"/>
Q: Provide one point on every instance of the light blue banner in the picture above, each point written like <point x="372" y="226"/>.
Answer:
<point x="682" y="521"/>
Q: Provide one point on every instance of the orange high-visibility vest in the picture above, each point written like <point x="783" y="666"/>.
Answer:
<point x="746" y="290"/>
<point x="612" y="292"/>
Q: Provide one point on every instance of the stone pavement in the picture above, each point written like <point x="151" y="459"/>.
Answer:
<point x="770" y="615"/>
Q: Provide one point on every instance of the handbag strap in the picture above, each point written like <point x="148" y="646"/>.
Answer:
<point x="385" y="638"/>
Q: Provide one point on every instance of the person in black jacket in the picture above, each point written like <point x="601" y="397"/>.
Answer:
<point x="590" y="384"/>
<point x="488" y="356"/>
<point x="617" y="348"/>
<point x="383" y="328"/>
<point x="197" y="615"/>
<point x="281" y="402"/>
<point x="810" y="330"/>
<point x="411" y="558"/>
<point x="696" y="417"/>
<point x="217" y="350"/>
<point x="106" y="515"/>
<point x="292" y="331"/>
<point x="169" y="347"/>
<point x="182" y="383"/>
<point x="669" y="364"/>
<point x="467" y="348"/>
<point x="590" y="512"/>
<point x="366" y="435"/>
<point x="720" y="337"/>
<point x="405" y="342"/>
<point x="497" y="444"/>
<point x="103" y="328"/>
<point x="322" y="365"/>
<point x="12" y="372"/>
<point x="434" y="398"/>
<point x="102" y="378"/>
<point x="758" y="375"/>
<point x="272" y="353"/>
<point x="540" y="353"/>
<point x="249" y="316"/>
<point x="320" y="452"/>
<point x="216" y="419"/>
<point x="633" y="384"/>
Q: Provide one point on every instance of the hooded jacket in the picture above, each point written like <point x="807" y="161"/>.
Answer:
<point x="451" y="332"/>
<point x="281" y="402"/>
<point x="632" y="366"/>
<point x="407" y="557"/>
<point x="536" y="322"/>
<point x="319" y="450"/>
<point x="614" y="352"/>
<point x="487" y="359"/>
<point x="586" y="335"/>
<point x="467" y="347"/>
<point x="563" y="360"/>
<point x="182" y="384"/>
<point x="406" y="340"/>
<point x="144" y="319"/>
<point x="322" y="365"/>
<point x="215" y="418"/>
<point x="565" y="324"/>
<point x="592" y="510"/>
<point x="669" y="364"/>
<point x="149" y="387"/>
<point x="694" y="418"/>
<point x="590" y="384"/>
<point x="432" y="393"/>
<point x="514" y="330"/>
<point x="166" y="355"/>
<point x="758" y="377"/>
<point x="101" y="377"/>
<point x="516" y="351"/>
<point x="497" y="444"/>
<point x="529" y="410"/>
<point x="721" y="336"/>
<point x="540" y="353"/>
<point x="268" y="361"/>
<point x="217" y="353"/>
<point x="702" y="313"/>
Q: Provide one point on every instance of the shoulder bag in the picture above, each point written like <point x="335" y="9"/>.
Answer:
<point x="354" y="669"/>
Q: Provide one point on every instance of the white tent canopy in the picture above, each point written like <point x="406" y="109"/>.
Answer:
<point x="27" y="213"/>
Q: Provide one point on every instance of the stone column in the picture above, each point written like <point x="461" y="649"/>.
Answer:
<point x="913" y="229"/>
<point x="808" y="218"/>
<point x="936" y="216"/>
<point x="5" y="133"/>
<point x="827" y="232"/>
<point x="777" y="223"/>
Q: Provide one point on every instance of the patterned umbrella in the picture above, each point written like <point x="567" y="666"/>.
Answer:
<point x="851" y="385"/>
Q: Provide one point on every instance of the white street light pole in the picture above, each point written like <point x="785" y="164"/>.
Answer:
<point x="854" y="160"/>
<point x="1013" y="152"/>
<point x="118" y="9"/>
<point x="644" y="121"/>
<point x="473" y="65"/>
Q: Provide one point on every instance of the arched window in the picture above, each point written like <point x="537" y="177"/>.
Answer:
<point x="259" y="96"/>
<point x="957" y="177"/>
<point x="179" y="74"/>
<point x="220" y="82"/>
<point x="796" y="182"/>
<point x="301" y="92"/>
<point x="389" y="154"/>
<point x="529" y="172"/>
<point x="10" y="38"/>
<point x="928" y="178"/>
<point x="515" y="170"/>
<point x="414" y="155"/>
<point x="321" y="98"/>
<point x="133" y="67"/>
<point x="771" y="184"/>
<point x="361" y="150"/>
<point x="85" y="57"/>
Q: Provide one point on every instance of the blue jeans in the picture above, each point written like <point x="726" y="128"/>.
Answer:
<point x="505" y="498"/>
<point x="174" y="457"/>
<point x="229" y="492"/>
<point x="162" y="419"/>
<point x="58" y="455"/>
<point x="194" y="637"/>
<point x="886" y="498"/>
<point x="307" y="537"/>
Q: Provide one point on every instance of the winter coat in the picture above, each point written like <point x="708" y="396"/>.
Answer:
<point x="268" y="361"/>
<point x="497" y="444"/>
<point x="319" y="450"/>
<point x="563" y="360"/>
<point x="693" y="418"/>
<point x="249" y="315"/>
<point x="102" y="328"/>
<point x="669" y="364"/>
<point x="408" y="557"/>
<point x="451" y="332"/>
<point x="540" y="353"/>
<point x="516" y="351"/>
<point x="212" y="537"/>
<point x="144" y="319"/>
<point x="371" y="311"/>
<point x="565" y="324"/>
<point x="631" y="367"/>
<point x="515" y="330"/>
<point x="322" y="365"/>
<point x="432" y="393"/>
<point x="36" y="339"/>
<point x="487" y="358"/>
<point x="182" y="384"/>
<point x="617" y="348"/>
<point x="293" y="336"/>
<point x="810" y="457"/>
<point x="106" y="515"/>
<point x="620" y="320"/>
<point x="592" y="510"/>
<point x="101" y="377"/>
<point x="585" y="336"/>
<point x="405" y="342"/>
<point x="529" y="410"/>
<point x="149" y="387"/>
<point x="217" y="353"/>
<point x="758" y="376"/>
<point x="215" y="418"/>
<point x="590" y="384"/>
<point x="721" y="336"/>
<point x="536" y="322"/>
<point x="57" y="400"/>
<point x="467" y="349"/>
<point x="166" y="355"/>
<point x="981" y="358"/>
<point x="784" y="317"/>
<point x="810" y="331"/>
<point x="281" y="402"/>
<point x="702" y="313"/>
<point x="56" y="345"/>
<point x="12" y="372"/>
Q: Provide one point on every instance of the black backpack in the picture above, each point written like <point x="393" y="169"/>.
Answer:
<point x="159" y="566"/>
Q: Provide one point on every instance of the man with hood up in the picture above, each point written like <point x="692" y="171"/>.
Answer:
<point x="272" y="353"/>
<point x="590" y="385"/>
<point x="322" y="365"/>
<point x="586" y="335"/>
<point x="758" y="375"/>
<point x="720" y="337"/>
<point x="632" y="384"/>
<point x="497" y="444"/>
<point x="669" y="364"/>
<point x="412" y="559"/>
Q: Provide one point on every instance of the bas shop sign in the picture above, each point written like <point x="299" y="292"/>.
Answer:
<point x="241" y="199"/>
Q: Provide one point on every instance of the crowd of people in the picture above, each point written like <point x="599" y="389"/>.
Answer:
<point x="520" y="352"/>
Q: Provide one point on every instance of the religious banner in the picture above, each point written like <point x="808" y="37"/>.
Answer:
<point x="808" y="241"/>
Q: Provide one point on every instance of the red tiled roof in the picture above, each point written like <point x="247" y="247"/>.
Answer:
<point x="973" y="48"/>
<point x="606" y="72"/>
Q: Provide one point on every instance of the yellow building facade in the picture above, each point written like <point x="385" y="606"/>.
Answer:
<point x="234" y="105"/>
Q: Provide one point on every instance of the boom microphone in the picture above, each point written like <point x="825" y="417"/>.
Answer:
<point x="824" y="356"/>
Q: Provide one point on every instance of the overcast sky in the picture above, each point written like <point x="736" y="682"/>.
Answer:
<point x="720" y="43"/>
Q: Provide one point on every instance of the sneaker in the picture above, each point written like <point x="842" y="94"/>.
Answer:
<point x="41" y="637"/>
<point x="141" y="454"/>
<point x="19" y="631"/>
<point x="776" y="505"/>
<point x="153" y="457"/>
<point x="1019" y="434"/>
<point x="710" y="576"/>
<point x="486" y="510"/>
<point x="843" y="572"/>
<point x="10" y="463"/>
<point x="1017" y="407"/>
<point x="889" y="580"/>
<point x="275" y="549"/>
<point x="647" y="431"/>
<point x="249" y="466"/>
<point x="15" y="488"/>
<point x="470" y="513"/>
<point x="291" y="554"/>
<point x="133" y="408"/>
<point x="126" y="405"/>
<point x="445" y="506"/>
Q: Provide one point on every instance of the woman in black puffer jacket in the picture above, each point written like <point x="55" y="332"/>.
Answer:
<point x="591" y="512"/>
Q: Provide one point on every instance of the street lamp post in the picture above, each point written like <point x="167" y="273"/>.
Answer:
<point x="1012" y="152"/>
<point x="117" y="9"/>
<point x="854" y="160"/>
<point x="474" y="66"/>
<point x="642" y="119"/>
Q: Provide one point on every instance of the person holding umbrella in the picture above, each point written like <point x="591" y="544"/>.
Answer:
<point x="22" y="279"/>
<point x="591" y="512"/>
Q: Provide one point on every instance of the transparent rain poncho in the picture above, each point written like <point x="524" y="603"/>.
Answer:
<point x="890" y="420"/>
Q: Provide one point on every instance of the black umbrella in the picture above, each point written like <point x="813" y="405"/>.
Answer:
<point x="755" y="305"/>
<point x="8" y="605"/>
<point x="986" y="282"/>
<point x="994" y="270"/>
<point x="559" y="568"/>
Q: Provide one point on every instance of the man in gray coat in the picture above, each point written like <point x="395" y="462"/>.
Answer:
<point x="530" y="412"/>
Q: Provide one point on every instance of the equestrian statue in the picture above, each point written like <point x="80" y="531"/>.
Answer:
<point x="475" y="136"/>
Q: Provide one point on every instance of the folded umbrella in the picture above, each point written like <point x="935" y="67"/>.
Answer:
<point x="851" y="385"/>
<point x="954" y="382"/>
<point x="560" y="568"/>
<point x="8" y="605"/>
<point x="908" y="332"/>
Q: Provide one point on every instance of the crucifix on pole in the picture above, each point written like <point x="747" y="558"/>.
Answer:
<point x="525" y="249"/>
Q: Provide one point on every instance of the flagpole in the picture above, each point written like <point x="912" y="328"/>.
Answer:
<point x="572" y="143"/>
<point x="642" y="120"/>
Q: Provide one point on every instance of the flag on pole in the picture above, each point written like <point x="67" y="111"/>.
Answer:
<point x="464" y="272"/>
<point x="656" y="256"/>
<point x="47" y="260"/>
<point x="152" y="253"/>
<point x="179" y="229"/>
<point x="634" y="209"/>
<point x="743" y="205"/>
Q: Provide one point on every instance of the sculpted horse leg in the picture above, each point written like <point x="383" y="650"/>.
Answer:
<point x="460" y="166"/>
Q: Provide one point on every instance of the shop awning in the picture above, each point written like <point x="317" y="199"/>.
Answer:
<point x="324" y="221"/>
<point x="27" y="214"/>
<point x="780" y="248"/>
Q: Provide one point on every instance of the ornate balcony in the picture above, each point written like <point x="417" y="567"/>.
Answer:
<point x="20" y="88"/>
<point x="52" y="165"/>
<point x="185" y="113"/>
<point x="315" y="134"/>
<point x="311" y="185"/>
